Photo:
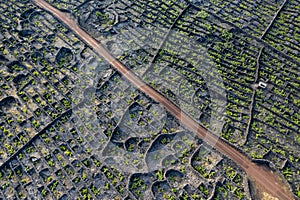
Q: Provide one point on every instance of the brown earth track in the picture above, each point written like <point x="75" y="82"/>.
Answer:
<point x="265" y="181"/>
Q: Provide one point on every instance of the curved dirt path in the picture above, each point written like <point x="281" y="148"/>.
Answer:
<point x="266" y="182"/>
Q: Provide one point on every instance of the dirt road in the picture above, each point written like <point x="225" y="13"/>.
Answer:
<point x="265" y="181"/>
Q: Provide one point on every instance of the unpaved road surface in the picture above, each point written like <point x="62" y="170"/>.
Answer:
<point x="265" y="180"/>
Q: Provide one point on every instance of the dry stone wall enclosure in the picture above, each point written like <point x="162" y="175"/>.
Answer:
<point x="72" y="127"/>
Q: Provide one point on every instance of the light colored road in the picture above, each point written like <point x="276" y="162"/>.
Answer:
<point x="265" y="181"/>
